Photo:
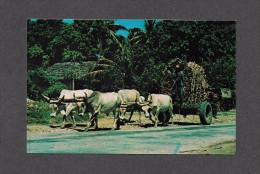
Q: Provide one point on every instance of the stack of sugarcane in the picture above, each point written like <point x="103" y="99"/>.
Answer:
<point x="185" y="83"/>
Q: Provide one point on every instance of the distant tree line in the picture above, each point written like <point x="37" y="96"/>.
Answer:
<point x="137" y="61"/>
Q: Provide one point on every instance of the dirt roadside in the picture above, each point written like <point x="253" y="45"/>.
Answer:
<point x="107" y="122"/>
<point x="223" y="148"/>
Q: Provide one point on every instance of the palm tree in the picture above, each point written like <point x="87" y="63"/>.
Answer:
<point x="138" y="35"/>
<point x="104" y="33"/>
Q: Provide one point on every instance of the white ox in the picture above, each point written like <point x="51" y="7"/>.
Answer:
<point x="68" y="103"/>
<point x="99" y="102"/>
<point x="130" y="102"/>
<point x="158" y="103"/>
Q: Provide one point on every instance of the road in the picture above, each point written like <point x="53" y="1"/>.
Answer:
<point x="161" y="140"/>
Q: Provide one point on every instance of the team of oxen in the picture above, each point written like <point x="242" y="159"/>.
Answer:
<point x="93" y="103"/>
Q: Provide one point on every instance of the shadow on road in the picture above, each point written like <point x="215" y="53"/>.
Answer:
<point x="67" y="125"/>
<point x="81" y="127"/>
<point x="185" y="123"/>
<point x="152" y="125"/>
<point x="92" y="129"/>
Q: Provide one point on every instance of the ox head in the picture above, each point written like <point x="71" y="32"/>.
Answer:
<point x="141" y="99"/>
<point x="146" y="108"/>
<point x="56" y="106"/>
<point x="81" y="103"/>
<point x="81" y="108"/>
<point x="122" y="111"/>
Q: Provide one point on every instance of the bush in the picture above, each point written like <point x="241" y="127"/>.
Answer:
<point x="55" y="89"/>
<point x="39" y="113"/>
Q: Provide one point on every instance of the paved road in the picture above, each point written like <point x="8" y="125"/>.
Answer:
<point x="163" y="140"/>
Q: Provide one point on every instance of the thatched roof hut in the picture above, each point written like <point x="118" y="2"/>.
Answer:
<point x="71" y="72"/>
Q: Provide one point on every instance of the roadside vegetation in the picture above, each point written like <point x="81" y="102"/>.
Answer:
<point x="39" y="112"/>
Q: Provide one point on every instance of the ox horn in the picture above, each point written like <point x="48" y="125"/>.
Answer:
<point x="60" y="99"/>
<point x="145" y="103"/>
<point x="45" y="97"/>
<point x="80" y="99"/>
<point x="86" y="97"/>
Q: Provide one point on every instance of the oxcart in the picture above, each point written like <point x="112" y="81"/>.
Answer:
<point x="187" y="85"/>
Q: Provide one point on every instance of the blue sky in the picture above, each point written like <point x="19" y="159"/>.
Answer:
<point x="68" y="21"/>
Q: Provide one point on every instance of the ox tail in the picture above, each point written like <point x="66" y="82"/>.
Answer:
<point x="171" y="104"/>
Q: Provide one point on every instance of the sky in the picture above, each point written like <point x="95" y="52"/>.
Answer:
<point x="128" y="23"/>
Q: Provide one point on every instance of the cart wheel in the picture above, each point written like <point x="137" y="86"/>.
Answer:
<point x="205" y="113"/>
<point x="161" y="117"/>
<point x="168" y="117"/>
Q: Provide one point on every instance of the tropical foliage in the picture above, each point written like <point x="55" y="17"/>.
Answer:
<point x="133" y="62"/>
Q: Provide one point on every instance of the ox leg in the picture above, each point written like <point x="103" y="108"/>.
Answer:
<point x="140" y="122"/>
<point x="62" y="126"/>
<point x="73" y="119"/>
<point x="150" y="116"/>
<point x="84" y="109"/>
<point x="89" y="117"/>
<point x="90" y="121"/>
<point x="156" y="118"/>
<point x="69" y="111"/>
<point x="131" y="114"/>
<point x="116" y="120"/>
<point x="96" y="120"/>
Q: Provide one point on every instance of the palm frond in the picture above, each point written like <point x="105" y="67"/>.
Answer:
<point x="106" y="66"/>
<point x="136" y="38"/>
<point x="149" y="25"/>
<point x="97" y="72"/>
<point x="116" y="27"/>
<point x="104" y="60"/>
<point x="135" y="30"/>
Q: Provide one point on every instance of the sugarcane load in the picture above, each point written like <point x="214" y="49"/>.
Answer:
<point x="186" y="83"/>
